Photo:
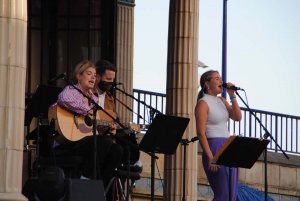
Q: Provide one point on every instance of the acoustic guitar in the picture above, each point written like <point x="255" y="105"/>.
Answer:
<point x="73" y="127"/>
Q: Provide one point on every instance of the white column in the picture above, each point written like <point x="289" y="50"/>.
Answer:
<point x="13" y="28"/>
<point x="181" y="94"/>
<point x="125" y="27"/>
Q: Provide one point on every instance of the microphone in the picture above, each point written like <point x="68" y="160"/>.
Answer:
<point x="114" y="83"/>
<point x="225" y="85"/>
<point x="52" y="80"/>
<point x="107" y="86"/>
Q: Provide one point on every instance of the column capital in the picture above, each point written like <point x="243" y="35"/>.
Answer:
<point x="130" y="3"/>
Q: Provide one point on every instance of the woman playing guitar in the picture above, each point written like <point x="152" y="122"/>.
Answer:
<point x="109" y="153"/>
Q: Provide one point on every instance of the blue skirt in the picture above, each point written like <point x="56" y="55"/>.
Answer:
<point x="219" y="181"/>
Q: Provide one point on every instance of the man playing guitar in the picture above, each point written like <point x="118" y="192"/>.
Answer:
<point x="105" y="78"/>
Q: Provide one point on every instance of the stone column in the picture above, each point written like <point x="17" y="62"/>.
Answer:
<point x="181" y="94"/>
<point x="13" y="37"/>
<point x="124" y="60"/>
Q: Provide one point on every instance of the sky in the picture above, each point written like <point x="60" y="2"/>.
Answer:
<point x="263" y="48"/>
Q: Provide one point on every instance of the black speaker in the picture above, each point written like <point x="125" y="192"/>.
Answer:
<point x="81" y="189"/>
<point x="29" y="189"/>
<point x="77" y="190"/>
<point x="50" y="185"/>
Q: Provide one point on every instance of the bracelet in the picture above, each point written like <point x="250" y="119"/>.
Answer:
<point x="232" y="98"/>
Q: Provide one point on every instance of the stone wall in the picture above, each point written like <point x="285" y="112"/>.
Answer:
<point x="283" y="178"/>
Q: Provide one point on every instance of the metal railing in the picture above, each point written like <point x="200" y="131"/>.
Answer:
<point x="283" y="128"/>
<point x="155" y="100"/>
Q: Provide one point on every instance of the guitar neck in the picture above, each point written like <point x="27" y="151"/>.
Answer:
<point x="106" y="123"/>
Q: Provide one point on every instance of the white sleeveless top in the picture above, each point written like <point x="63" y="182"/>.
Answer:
<point x="216" y="125"/>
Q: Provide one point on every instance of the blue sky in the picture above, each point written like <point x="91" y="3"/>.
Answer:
<point x="263" y="53"/>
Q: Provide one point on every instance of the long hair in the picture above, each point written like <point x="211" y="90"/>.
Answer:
<point x="205" y="77"/>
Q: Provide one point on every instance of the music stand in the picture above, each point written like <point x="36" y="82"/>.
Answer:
<point x="163" y="136"/>
<point x="240" y="152"/>
<point x="38" y="106"/>
<point x="40" y="102"/>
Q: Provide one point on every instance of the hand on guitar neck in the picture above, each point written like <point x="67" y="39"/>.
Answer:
<point x="102" y="129"/>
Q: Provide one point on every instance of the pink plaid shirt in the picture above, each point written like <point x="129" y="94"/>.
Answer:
<point x="73" y="100"/>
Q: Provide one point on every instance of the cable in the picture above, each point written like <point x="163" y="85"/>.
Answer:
<point x="162" y="184"/>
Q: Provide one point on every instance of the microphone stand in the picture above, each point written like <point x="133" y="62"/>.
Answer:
<point x="185" y="143"/>
<point x="128" y="108"/>
<point x="153" y="111"/>
<point x="128" y="144"/>
<point x="266" y="135"/>
<point x="127" y="147"/>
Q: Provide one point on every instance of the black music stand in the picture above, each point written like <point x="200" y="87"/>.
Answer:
<point x="240" y="152"/>
<point x="40" y="102"/>
<point x="163" y="136"/>
<point x="38" y="106"/>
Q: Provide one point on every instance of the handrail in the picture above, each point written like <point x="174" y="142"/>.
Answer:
<point x="283" y="127"/>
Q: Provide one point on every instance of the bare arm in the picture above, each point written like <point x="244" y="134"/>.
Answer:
<point x="233" y="109"/>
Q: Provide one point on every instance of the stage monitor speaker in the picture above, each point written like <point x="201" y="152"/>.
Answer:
<point x="81" y="189"/>
<point x="77" y="190"/>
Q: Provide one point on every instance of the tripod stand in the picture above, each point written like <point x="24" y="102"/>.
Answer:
<point x="163" y="136"/>
<point x="185" y="143"/>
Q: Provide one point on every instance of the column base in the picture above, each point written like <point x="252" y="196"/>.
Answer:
<point x="12" y="197"/>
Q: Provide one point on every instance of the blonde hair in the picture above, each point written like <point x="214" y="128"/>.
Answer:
<point x="81" y="67"/>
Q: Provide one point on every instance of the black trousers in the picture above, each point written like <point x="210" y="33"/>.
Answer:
<point x="109" y="155"/>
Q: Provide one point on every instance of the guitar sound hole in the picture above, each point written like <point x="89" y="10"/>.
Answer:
<point x="88" y="121"/>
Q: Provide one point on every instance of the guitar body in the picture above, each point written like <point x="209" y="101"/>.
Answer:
<point x="71" y="127"/>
